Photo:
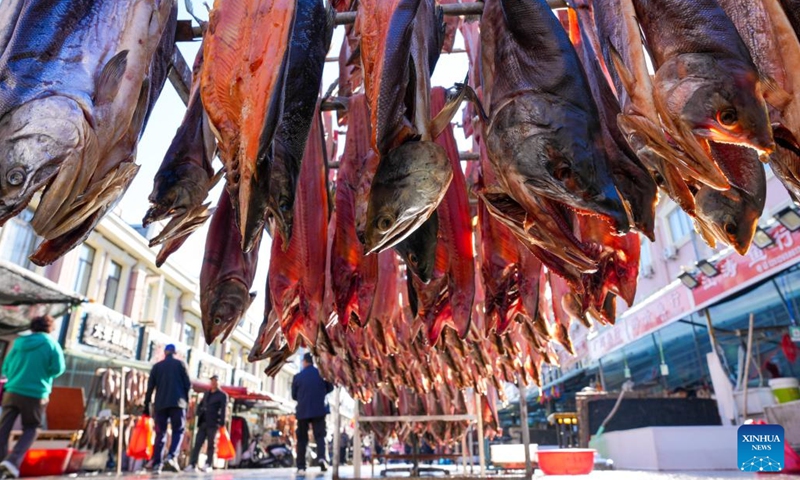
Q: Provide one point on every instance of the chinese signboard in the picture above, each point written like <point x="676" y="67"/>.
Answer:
<point x="110" y="331"/>
<point x="667" y="306"/>
<point x="754" y="266"/>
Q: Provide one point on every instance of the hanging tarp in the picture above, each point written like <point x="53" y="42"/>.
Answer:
<point x="25" y="295"/>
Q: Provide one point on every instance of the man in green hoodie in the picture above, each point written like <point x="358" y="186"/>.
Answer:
<point x="30" y="367"/>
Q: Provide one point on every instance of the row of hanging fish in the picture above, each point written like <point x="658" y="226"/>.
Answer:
<point x="107" y="386"/>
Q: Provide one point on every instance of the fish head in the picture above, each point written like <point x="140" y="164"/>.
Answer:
<point x="409" y="184"/>
<point x="557" y="154"/>
<point x="727" y="216"/>
<point x="35" y="139"/>
<point x="223" y="307"/>
<point x="721" y="101"/>
<point x="418" y="250"/>
<point x="176" y="192"/>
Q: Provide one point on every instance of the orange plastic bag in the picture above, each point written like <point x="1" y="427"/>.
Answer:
<point x="225" y="450"/>
<point x="140" y="445"/>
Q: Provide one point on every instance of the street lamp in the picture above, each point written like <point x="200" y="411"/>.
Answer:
<point x="789" y="218"/>
<point x="762" y="238"/>
<point x="707" y="268"/>
<point x="689" y="280"/>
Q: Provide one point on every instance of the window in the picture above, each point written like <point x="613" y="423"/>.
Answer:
<point x="152" y="291"/>
<point x="19" y="240"/>
<point x="680" y="226"/>
<point x="85" y="263"/>
<point x="112" y="284"/>
<point x="164" y="314"/>
<point x="189" y="333"/>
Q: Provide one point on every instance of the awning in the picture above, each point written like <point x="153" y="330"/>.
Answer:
<point x="234" y="393"/>
<point x="25" y="295"/>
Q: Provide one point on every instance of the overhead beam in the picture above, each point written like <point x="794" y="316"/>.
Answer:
<point x="348" y="18"/>
<point x="180" y="75"/>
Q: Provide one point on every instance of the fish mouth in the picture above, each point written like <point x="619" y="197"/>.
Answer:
<point x="184" y="224"/>
<point x="405" y="225"/>
<point x="712" y="134"/>
<point x="223" y="308"/>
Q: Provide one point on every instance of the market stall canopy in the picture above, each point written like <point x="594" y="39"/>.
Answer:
<point x="25" y="295"/>
<point x="234" y="393"/>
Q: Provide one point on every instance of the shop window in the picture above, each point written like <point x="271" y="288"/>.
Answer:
<point x="189" y="333"/>
<point x="85" y="264"/>
<point x="680" y="226"/>
<point x="112" y="285"/>
<point x="19" y="240"/>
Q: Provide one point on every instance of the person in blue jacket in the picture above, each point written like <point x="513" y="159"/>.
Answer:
<point x="170" y="379"/>
<point x="309" y="390"/>
<point x="30" y="367"/>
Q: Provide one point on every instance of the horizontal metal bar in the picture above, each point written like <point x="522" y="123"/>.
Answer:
<point x="180" y="75"/>
<point x="450" y="9"/>
<point x="417" y="418"/>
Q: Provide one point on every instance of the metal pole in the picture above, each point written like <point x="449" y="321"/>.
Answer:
<point x="471" y="450"/>
<point x="337" y="436"/>
<point x="481" y="448"/>
<point x="747" y="363"/>
<point x="526" y="434"/>
<point x="121" y="416"/>
<point x="464" y="452"/>
<point x="357" y="444"/>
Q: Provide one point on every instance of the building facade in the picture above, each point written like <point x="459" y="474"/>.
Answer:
<point x="135" y="309"/>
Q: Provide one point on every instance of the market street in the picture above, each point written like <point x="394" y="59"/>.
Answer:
<point x="315" y="474"/>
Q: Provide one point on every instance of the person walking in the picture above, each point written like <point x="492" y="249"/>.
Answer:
<point x="170" y="380"/>
<point x="30" y="367"/>
<point x="210" y="416"/>
<point x="309" y="390"/>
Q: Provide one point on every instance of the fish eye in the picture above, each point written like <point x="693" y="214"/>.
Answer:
<point x="384" y="223"/>
<point x="16" y="176"/>
<point x="730" y="228"/>
<point x="284" y="205"/>
<point x="562" y="172"/>
<point x="217" y="320"/>
<point x="727" y="117"/>
<point x="412" y="259"/>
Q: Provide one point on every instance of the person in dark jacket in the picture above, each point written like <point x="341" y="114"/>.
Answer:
<point x="210" y="416"/>
<point x="309" y="390"/>
<point x="30" y="367"/>
<point x="170" y="379"/>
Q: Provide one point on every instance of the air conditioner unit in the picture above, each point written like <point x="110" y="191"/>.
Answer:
<point x="670" y="252"/>
<point x="647" y="271"/>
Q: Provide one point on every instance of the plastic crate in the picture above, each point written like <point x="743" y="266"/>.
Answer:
<point x="41" y="462"/>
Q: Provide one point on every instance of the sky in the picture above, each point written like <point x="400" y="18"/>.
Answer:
<point x="167" y="115"/>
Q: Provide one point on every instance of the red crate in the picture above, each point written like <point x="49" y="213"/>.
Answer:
<point x="41" y="462"/>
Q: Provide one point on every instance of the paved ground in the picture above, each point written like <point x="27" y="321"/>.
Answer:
<point x="347" y="472"/>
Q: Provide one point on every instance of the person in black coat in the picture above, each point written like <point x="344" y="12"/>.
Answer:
<point x="309" y="390"/>
<point x="210" y="416"/>
<point x="170" y="380"/>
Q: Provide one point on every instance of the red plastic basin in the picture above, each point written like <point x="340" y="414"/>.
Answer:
<point x="41" y="463"/>
<point x="566" y="461"/>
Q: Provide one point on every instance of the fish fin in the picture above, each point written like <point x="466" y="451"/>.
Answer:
<point x="625" y="75"/>
<point x="705" y="232"/>
<point x="445" y="115"/>
<point x="109" y="80"/>
<point x="472" y="96"/>
<point x="213" y="181"/>
<point x="774" y="94"/>
<point x="140" y="114"/>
